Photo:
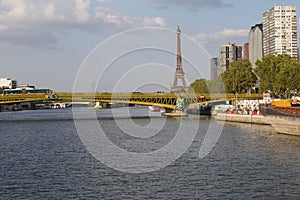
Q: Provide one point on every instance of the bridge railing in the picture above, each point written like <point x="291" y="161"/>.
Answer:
<point x="19" y="98"/>
<point x="166" y="99"/>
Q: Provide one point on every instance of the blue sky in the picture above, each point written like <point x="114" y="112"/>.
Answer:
<point x="45" y="42"/>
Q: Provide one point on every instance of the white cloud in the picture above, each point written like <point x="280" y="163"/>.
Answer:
<point x="103" y="1"/>
<point x="26" y="10"/>
<point x="12" y="10"/>
<point x="29" y="13"/>
<point x="119" y="21"/>
<point x="51" y="14"/>
<point x="194" y="4"/>
<point x="36" y="23"/>
<point x="156" y="21"/>
<point x="81" y="10"/>
<point x="226" y="34"/>
<point x="22" y="20"/>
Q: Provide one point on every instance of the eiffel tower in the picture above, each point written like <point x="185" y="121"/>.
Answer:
<point x="179" y="74"/>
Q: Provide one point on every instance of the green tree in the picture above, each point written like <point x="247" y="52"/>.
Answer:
<point x="239" y="77"/>
<point x="279" y="74"/>
<point x="199" y="86"/>
<point x="216" y="86"/>
<point x="208" y="86"/>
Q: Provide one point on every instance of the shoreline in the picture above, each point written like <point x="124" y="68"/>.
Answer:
<point x="252" y="119"/>
<point x="282" y="124"/>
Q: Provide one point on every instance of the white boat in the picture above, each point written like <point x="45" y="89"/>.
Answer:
<point x="155" y="108"/>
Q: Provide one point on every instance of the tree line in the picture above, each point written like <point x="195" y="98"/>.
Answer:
<point x="278" y="74"/>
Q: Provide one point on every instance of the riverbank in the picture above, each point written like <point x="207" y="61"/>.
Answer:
<point x="282" y="124"/>
<point x="253" y="119"/>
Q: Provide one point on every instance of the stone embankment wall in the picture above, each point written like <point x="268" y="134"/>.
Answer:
<point x="285" y="125"/>
<point x="253" y="119"/>
<point x="247" y="111"/>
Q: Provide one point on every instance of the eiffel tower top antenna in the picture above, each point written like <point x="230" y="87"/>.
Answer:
<point x="179" y="59"/>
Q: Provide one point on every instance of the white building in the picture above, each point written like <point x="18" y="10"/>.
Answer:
<point x="280" y="31"/>
<point x="255" y="40"/>
<point x="229" y="53"/>
<point x="7" y="83"/>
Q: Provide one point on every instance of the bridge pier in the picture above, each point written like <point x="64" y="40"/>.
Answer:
<point x="98" y="105"/>
<point x="104" y="105"/>
<point x="179" y="110"/>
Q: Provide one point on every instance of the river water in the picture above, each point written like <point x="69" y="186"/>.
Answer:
<point x="43" y="156"/>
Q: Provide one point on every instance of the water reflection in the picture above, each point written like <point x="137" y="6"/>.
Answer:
<point x="42" y="159"/>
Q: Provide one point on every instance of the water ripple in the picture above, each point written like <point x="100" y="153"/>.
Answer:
<point x="46" y="160"/>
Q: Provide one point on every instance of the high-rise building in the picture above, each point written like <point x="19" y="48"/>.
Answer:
<point x="214" y="68"/>
<point x="280" y="31"/>
<point x="255" y="40"/>
<point x="246" y="51"/>
<point x="229" y="53"/>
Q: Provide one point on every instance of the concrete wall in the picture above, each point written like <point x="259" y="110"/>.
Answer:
<point x="253" y="119"/>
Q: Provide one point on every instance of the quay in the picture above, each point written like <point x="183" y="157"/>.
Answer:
<point x="281" y="124"/>
<point x="251" y="112"/>
<point x="252" y="119"/>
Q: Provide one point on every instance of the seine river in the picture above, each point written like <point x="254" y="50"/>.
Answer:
<point x="43" y="156"/>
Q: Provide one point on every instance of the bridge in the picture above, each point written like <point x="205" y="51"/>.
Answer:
<point x="166" y="100"/>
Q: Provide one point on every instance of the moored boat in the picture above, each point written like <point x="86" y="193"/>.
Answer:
<point x="200" y="109"/>
<point x="282" y="107"/>
<point x="154" y="108"/>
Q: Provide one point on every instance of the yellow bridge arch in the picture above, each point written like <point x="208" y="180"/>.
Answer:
<point x="166" y="100"/>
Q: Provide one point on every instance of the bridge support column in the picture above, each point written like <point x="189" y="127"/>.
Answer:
<point x="98" y="105"/>
<point x="104" y="105"/>
<point x="179" y="110"/>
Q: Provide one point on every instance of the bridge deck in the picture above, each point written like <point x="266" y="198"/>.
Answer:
<point x="167" y="100"/>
